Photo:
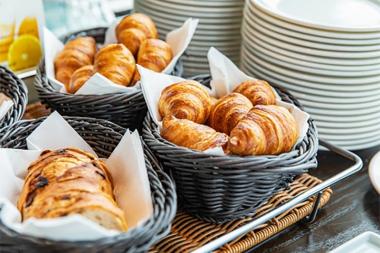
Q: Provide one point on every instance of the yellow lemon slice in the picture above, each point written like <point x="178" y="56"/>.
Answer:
<point x="25" y="52"/>
<point x="29" y="25"/>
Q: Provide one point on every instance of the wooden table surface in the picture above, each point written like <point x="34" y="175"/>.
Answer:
<point x="353" y="209"/>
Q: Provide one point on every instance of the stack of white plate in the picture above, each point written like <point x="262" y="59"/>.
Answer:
<point x="327" y="53"/>
<point x="219" y="26"/>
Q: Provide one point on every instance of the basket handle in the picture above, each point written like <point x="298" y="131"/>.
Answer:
<point x="356" y="167"/>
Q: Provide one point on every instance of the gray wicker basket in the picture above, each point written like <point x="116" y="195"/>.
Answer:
<point x="127" y="110"/>
<point x="103" y="136"/>
<point x="223" y="188"/>
<point x="16" y="90"/>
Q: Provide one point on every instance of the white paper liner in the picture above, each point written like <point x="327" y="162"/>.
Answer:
<point x="126" y="165"/>
<point x="178" y="39"/>
<point x="5" y="105"/>
<point x="226" y="76"/>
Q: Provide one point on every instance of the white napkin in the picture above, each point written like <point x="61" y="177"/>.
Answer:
<point x="226" y="76"/>
<point x="178" y="39"/>
<point x="126" y="165"/>
<point x="5" y="105"/>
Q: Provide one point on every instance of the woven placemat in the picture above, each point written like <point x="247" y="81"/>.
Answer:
<point x="189" y="233"/>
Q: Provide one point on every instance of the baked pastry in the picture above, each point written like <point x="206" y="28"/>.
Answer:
<point x="189" y="134"/>
<point x="185" y="100"/>
<point x="228" y="111"/>
<point x="132" y="30"/>
<point x="70" y="181"/>
<point x="76" y="53"/>
<point x="265" y="130"/>
<point x="115" y="62"/>
<point x="79" y="77"/>
<point x="259" y="92"/>
<point x="155" y="55"/>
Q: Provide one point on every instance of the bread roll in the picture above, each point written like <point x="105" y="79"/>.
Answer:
<point x="76" y="54"/>
<point x="189" y="134"/>
<point x="155" y="55"/>
<point x="79" y="77"/>
<point x="116" y="63"/>
<point x="259" y="92"/>
<point x="185" y="100"/>
<point x="265" y="130"/>
<point x="228" y="111"/>
<point x="134" y="29"/>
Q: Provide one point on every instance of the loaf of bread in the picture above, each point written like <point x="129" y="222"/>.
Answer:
<point x="67" y="182"/>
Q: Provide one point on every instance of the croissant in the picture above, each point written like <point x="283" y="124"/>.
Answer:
<point x="228" y="111"/>
<point x="155" y="55"/>
<point x="259" y="92"/>
<point x="70" y="181"/>
<point x="189" y="134"/>
<point x="185" y="100"/>
<point x="265" y="130"/>
<point x="134" y="29"/>
<point x="76" y="53"/>
<point x="116" y="63"/>
<point x="79" y="77"/>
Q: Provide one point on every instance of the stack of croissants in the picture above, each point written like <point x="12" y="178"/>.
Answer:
<point x="70" y="181"/>
<point x="138" y="42"/>
<point x="245" y="122"/>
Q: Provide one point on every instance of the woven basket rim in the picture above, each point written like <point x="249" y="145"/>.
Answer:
<point x="151" y="131"/>
<point x="158" y="222"/>
<point x="19" y="103"/>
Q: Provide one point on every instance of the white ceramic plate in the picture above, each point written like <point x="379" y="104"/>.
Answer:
<point x="307" y="69"/>
<point x="347" y="125"/>
<point x="255" y="23"/>
<point x="364" y="15"/>
<point x="186" y="10"/>
<point x="367" y="242"/>
<point x="258" y="72"/>
<point x="313" y="31"/>
<point x="313" y="65"/>
<point x="253" y="34"/>
<point x="267" y="22"/>
<point x="310" y="58"/>
<point x="315" y="82"/>
<point x="374" y="173"/>
<point x="360" y="146"/>
<point x="358" y="137"/>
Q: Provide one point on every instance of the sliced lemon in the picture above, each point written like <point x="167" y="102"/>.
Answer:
<point x="29" y="25"/>
<point x="25" y="52"/>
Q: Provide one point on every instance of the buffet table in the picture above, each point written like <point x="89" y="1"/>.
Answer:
<point x="353" y="209"/>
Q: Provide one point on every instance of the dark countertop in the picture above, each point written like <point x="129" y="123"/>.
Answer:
<point x="353" y="209"/>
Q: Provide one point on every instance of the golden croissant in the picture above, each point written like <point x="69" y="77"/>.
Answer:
<point x="76" y="53"/>
<point x="259" y="92"/>
<point x="265" y="130"/>
<point x="134" y="29"/>
<point x="115" y="62"/>
<point x="189" y="134"/>
<point x="228" y="111"/>
<point x="185" y="100"/>
<point x="79" y="77"/>
<point x="70" y="181"/>
<point x="155" y="55"/>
